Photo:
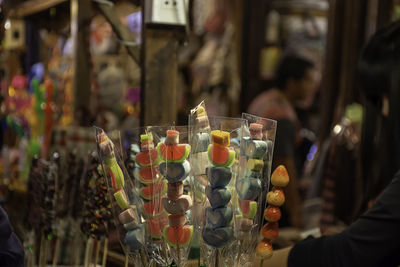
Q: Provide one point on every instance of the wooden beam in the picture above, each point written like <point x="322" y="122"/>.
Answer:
<point x="161" y="68"/>
<point x="81" y="13"/>
<point x="330" y="82"/>
<point x="31" y="7"/>
<point x="353" y="41"/>
<point x="122" y="32"/>
<point x="253" y="29"/>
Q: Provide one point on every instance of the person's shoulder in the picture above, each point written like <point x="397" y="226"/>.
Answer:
<point x="5" y="228"/>
<point x="271" y="104"/>
<point x="397" y="175"/>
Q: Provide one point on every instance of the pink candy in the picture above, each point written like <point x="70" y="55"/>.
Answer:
<point x="175" y="190"/>
<point x="177" y="220"/>
<point x="178" y="206"/>
<point x="127" y="216"/>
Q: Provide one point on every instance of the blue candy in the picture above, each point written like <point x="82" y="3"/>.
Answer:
<point x="200" y="142"/>
<point x="219" y="176"/>
<point x="175" y="172"/>
<point x="135" y="238"/>
<point x="217" y="237"/>
<point x="248" y="188"/>
<point x="218" y="197"/>
<point x="219" y="217"/>
<point x="255" y="148"/>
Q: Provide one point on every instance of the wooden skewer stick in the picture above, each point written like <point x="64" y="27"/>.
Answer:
<point x="41" y="264"/>
<point x="126" y="259"/>
<point x="240" y="251"/>
<point x="88" y="252"/>
<point x="77" y="245"/>
<point x="103" y="264"/>
<point x="45" y="248"/>
<point x="143" y="257"/>
<point x="56" y="252"/>
<point x="216" y="258"/>
<point x="96" y="258"/>
<point x="179" y="255"/>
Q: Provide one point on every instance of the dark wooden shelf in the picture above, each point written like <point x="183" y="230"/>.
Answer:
<point x="31" y="7"/>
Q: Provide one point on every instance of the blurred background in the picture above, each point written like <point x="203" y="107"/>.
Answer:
<point x="66" y="65"/>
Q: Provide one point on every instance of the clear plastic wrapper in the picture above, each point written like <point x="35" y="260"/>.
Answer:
<point x="158" y="161"/>
<point x="215" y="170"/>
<point x="255" y="159"/>
<point x="143" y="165"/>
<point x="125" y="200"/>
<point x="199" y="139"/>
<point x="174" y="168"/>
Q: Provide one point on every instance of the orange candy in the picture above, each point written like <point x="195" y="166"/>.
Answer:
<point x="270" y="230"/>
<point x="276" y="197"/>
<point x="272" y="214"/>
<point x="264" y="249"/>
<point x="280" y="176"/>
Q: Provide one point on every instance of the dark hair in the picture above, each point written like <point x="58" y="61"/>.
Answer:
<point x="291" y="67"/>
<point x="379" y="76"/>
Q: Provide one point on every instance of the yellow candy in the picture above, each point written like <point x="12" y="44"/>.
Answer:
<point x="220" y="137"/>
<point x="201" y="112"/>
<point x="146" y="137"/>
<point x="255" y="164"/>
<point x="280" y="176"/>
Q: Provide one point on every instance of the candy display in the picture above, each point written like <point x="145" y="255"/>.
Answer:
<point x="178" y="189"/>
<point x="132" y="230"/>
<point x="199" y="141"/>
<point x="97" y="207"/>
<point x="220" y="173"/>
<point x="41" y="217"/>
<point x="153" y="187"/>
<point x="175" y="170"/>
<point x="272" y="214"/>
<point x="256" y="147"/>
<point x="218" y="231"/>
<point x="96" y="214"/>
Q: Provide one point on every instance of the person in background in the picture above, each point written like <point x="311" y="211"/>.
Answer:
<point x="296" y="84"/>
<point x="374" y="238"/>
<point x="11" y="250"/>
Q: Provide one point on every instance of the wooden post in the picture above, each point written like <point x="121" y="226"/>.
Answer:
<point x="160" y="63"/>
<point x="253" y="29"/>
<point x="351" y="23"/>
<point x="81" y="11"/>
<point x="120" y="30"/>
<point x="346" y="35"/>
<point x="353" y="41"/>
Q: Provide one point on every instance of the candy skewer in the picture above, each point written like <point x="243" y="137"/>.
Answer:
<point x="134" y="238"/>
<point x="218" y="230"/>
<point x="272" y="213"/>
<point x="249" y="188"/>
<point x="175" y="169"/>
